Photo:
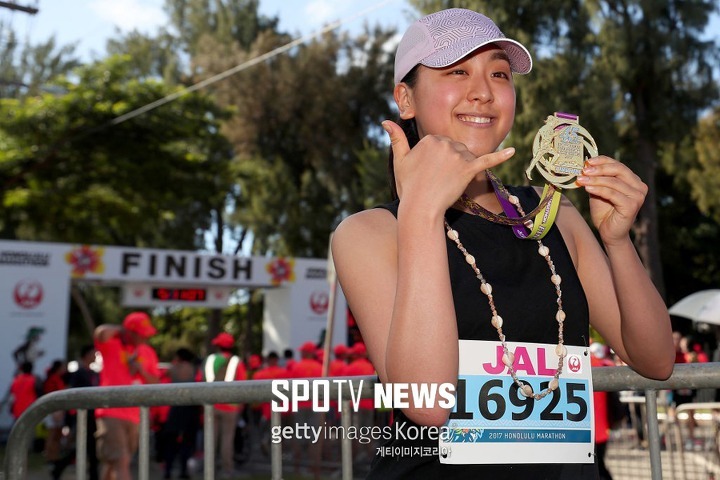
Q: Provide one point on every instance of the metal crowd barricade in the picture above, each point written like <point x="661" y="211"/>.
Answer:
<point x="146" y="396"/>
<point x="705" y="375"/>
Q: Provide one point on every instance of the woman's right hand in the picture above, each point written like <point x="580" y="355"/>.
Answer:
<point x="435" y="172"/>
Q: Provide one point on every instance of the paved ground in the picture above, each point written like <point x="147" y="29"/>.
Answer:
<point x="627" y="458"/>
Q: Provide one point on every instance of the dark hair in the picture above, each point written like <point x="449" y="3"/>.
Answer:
<point x="26" y="367"/>
<point x="86" y="349"/>
<point x="273" y="355"/>
<point x="288" y="353"/>
<point x="185" y="355"/>
<point x="55" y="366"/>
<point x="409" y="127"/>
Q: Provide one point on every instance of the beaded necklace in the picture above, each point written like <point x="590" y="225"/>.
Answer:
<point x="497" y="321"/>
<point x="501" y="191"/>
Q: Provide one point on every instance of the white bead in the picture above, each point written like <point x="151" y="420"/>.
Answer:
<point x="561" y="351"/>
<point x="529" y="224"/>
<point x="486" y="288"/>
<point x="508" y="359"/>
<point x="560" y="316"/>
<point x="543" y="251"/>
<point x="497" y="321"/>
<point x="470" y="259"/>
<point x="453" y="235"/>
<point x="556" y="279"/>
<point x="553" y="384"/>
<point x="513" y="199"/>
<point x="527" y="390"/>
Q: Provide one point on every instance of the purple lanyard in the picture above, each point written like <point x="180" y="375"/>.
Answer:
<point x="520" y="230"/>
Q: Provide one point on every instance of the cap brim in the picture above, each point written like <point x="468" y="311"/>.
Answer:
<point x="147" y="333"/>
<point x="520" y="58"/>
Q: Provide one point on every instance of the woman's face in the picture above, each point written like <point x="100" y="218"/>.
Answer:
<point x="471" y="101"/>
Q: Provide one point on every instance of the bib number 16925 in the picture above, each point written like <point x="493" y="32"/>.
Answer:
<point x="566" y="403"/>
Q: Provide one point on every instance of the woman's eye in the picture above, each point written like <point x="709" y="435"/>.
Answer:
<point x="458" y="71"/>
<point x="501" y="75"/>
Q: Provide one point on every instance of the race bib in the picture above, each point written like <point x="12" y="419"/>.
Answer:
<point x="492" y="421"/>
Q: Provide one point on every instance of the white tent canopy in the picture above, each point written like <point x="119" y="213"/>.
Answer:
<point x="703" y="306"/>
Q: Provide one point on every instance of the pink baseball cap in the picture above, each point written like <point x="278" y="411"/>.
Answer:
<point x="442" y="38"/>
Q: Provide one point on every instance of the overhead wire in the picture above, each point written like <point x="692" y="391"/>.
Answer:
<point x="42" y="161"/>
<point x="245" y="65"/>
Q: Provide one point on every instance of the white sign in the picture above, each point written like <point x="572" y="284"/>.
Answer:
<point x="298" y="312"/>
<point x="34" y="302"/>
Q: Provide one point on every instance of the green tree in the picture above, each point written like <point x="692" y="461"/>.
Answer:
<point x="301" y="122"/>
<point x="705" y="176"/>
<point x="150" y="56"/>
<point x="69" y="175"/>
<point x="25" y="68"/>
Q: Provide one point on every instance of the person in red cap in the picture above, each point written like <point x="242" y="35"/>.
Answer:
<point x="307" y="367"/>
<point x="127" y="360"/>
<point x="225" y="366"/>
<point x="360" y="365"/>
<point x="255" y="363"/>
<point x="338" y="366"/>
<point x="272" y="371"/>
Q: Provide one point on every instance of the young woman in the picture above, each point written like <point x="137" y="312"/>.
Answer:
<point x="429" y="282"/>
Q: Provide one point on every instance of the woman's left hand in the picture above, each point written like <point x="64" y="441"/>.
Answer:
<point x="616" y="195"/>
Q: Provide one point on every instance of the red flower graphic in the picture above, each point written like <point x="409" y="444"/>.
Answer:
<point x="85" y="259"/>
<point x="281" y="270"/>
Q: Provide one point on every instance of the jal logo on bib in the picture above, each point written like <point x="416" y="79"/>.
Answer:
<point x="574" y="363"/>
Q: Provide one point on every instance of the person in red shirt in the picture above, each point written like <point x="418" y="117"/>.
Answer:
<point x="600" y="405"/>
<point x="255" y="363"/>
<point x="54" y="381"/>
<point x="23" y="390"/>
<point x="337" y="368"/>
<point x="225" y="366"/>
<point x="360" y="365"/>
<point x="339" y="364"/>
<point x="683" y="395"/>
<point x="307" y="367"/>
<point x="272" y="371"/>
<point x="320" y="355"/>
<point x="127" y="360"/>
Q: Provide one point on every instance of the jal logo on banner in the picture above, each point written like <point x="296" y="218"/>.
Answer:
<point x="28" y="294"/>
<point x="319" y="302"/>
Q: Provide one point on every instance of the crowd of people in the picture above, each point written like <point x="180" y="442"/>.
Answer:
<point x="126" y="358"/>
<point x="240" y="429"/>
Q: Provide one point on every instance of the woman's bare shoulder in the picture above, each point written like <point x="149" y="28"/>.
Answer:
<point x="370" y="234"/>
<point x="372" y="222"/>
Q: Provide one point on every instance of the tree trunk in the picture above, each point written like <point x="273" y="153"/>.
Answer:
<point x="77" y="296"/>
<point x="646" y="227"/>
<point x="213" y="327"/>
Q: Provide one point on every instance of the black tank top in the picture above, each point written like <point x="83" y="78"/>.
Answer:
<point x="526" y="299"/>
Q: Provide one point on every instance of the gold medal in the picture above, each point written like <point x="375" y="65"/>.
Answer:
<point x="560" y="150"/>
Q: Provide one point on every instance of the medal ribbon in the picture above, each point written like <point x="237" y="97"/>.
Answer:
<point x="543" y="220"/>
